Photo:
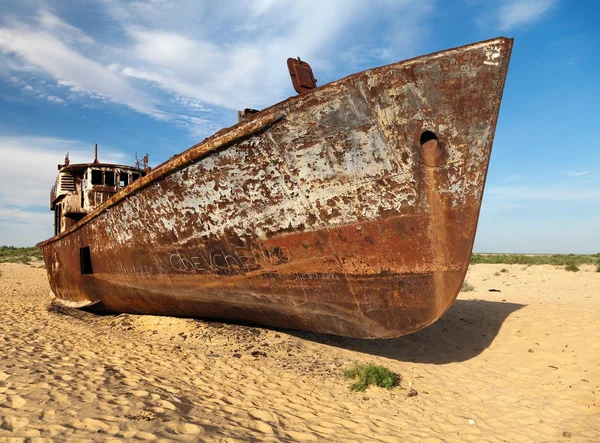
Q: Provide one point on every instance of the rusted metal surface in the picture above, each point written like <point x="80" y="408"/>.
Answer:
<point x="301" y="74"/>
<point x="246" y="113"/>
<point x="350" y="209"/>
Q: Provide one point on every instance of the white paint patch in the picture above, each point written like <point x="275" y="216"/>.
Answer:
<point x="346" y="159"/>
<point x="492" y="55"/>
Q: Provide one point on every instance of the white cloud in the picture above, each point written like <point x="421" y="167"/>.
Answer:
<point x="551" y="234"/>
<point x="178" y="62"/>
<point x="552" y="192"/>
<point x="512" y="178"/>
<point x="18" y="215"/>
<point x="55" y="99"/>
<point x="199" y="128"/>
<point x="63" y="30"/>
<point x="190" y="103"/>
<point x="577" y="173"/>
<point x="49" y="54"/>
<point x="245" y="67"/>
<point x="24" y="228"/>
<point x="27" y="88"/>
<point x="515" y="13"/>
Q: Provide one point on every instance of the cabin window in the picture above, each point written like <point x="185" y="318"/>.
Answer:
<point x="96" y="177"/>
<point x="123" y="179"/>
<point x="134" y="177"/>
<point x="85" y="260"/>
<point x="109" y="178"/>
<point x="57" y="217"/>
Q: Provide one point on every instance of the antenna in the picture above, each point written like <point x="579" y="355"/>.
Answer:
<point x="96" y="154"/>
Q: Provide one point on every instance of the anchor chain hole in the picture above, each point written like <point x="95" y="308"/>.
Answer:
<point x="427" y="136"/>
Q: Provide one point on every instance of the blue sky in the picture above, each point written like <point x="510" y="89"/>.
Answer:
<point x="157" y="77"/>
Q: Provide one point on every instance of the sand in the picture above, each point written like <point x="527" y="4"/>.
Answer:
<point x="518" y="365"/>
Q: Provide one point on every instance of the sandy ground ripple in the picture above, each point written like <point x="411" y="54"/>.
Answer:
<point x="518" y="365"/>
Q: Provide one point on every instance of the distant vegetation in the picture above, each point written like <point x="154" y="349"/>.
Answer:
<point x="370" y="374"/>
<point x="572" y="268"/>
<point x="520" y="259"/>
<point x="11" y="254"/>
<point x="467" y="287"/>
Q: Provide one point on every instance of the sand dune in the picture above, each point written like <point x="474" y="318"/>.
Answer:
<point x="518" y="365"/>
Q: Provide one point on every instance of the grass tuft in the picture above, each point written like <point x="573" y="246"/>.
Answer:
<point x="370" y="374"/>
<point x="572" y="268"/>
<point x="503" y="270"/>
<point x="467" y="287"/>
<point x="598" y="267"/>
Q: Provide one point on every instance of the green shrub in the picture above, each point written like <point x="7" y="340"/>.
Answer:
<point x="467" y="287"/>
<point x="370" y="374"/>
<point x="11" y="254"/>
<point x="572" y="268"/>
<point x="521" y="259"/>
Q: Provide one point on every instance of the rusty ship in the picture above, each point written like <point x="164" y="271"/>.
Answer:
<point x="349" y="209"/>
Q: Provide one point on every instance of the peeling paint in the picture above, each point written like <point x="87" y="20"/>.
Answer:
<point x="324" y="212"/>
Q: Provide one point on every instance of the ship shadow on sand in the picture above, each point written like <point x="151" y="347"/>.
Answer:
<point x="468" y="328"/>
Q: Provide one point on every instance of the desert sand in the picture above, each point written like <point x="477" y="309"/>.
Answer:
<point x="520" y="365"/>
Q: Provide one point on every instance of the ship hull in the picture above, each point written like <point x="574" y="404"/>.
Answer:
<point x="351" y="209"/>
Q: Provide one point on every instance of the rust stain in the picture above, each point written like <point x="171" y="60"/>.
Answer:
<point x="350" y="209"/>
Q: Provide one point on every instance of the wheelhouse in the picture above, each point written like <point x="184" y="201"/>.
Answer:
<point x="81" y="188"/>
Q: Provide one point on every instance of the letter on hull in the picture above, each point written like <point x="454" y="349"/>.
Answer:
<point x="350" y="209"/>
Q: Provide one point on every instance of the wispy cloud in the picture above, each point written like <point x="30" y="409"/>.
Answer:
<point x="38" y="46"/>
<point x="512" y="178"/>
<point x="196" y="126"/>
<point x="577" y="173"/>
<point x="20" y="227"/>
<point x="500" y="206"/>
<point x="175" y="63"/>
<point x="55" y="99"/>
<point x="247" y="69"/>
<point x="557" y="193"/>
<point x="17" y="215"/>
<point x="62" y="30"/>
<point x="515" y="13"/>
